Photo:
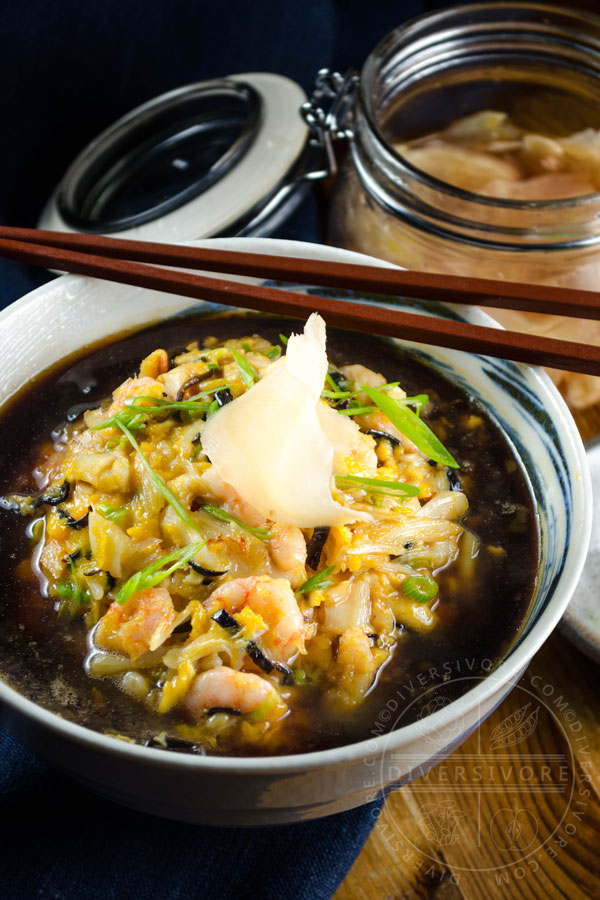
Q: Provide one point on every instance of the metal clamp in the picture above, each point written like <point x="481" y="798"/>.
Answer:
<point x="328" y="116"/>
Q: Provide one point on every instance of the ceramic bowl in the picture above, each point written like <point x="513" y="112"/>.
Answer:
<point x="62" y="316"/>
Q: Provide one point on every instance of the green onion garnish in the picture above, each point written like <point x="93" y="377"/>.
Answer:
<point x="418" y="401"/>
<point x="225" y="516"/>
<point x="72" y="594"/>
<point x="331" y="382"/>
<point x="300" y="676"/>
<point x="161" y="401"/>
<point x="248" y="373"/>
<point x="131" y="418"/>
<point x="187" y="405"/>
<point x="380" y="485"/>
<point x="357" y="410"/>
<point x="283" y="339"/>
<point x="213" y="407"/>
<point x="320" y="581"/>
<point x="273" y="352"/>
<point x="212" y="366"/>
<point x="158" y="482"/>
<point x="156" y="572"/>
<point x="409" y="424"/>
<point x="264" y="710"/>
<point x="337" y="394"/>
<point x="135" y="416"/>
<point x="419" y="588"/>
<point x="116" y="514"/>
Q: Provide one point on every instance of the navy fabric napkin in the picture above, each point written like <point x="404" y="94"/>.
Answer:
<point x="69" y="69"/>
<point x="59" y="842"/>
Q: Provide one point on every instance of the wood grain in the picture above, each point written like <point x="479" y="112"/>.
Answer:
<point x="402" y="860"/>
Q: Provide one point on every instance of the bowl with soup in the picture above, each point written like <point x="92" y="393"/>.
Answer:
<point x="247" y="558"/>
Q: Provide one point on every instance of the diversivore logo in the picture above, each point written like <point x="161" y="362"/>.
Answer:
<point x="504" y="792"/>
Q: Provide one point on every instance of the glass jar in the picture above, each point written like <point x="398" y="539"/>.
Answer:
<point x="539" y="63"/>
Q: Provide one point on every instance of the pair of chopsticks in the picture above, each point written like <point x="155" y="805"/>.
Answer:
<point x="140" y="263"/>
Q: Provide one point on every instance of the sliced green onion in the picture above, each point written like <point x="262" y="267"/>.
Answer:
<point x="320" y="581"/>
<point x="162" y="401"/>
<point x="225" y="516"/>
<point x="67" y="609"/>
<point x="135" y="417"/>
<point x="264" y="710"/>
<point x="380" y="485"/>
<point x="116" y="514"/>
<point x="158" y="482"/>
<point x="187" y="405"/>
<point x="73" y="595"/>
<point x="420" y="588"/>
<point x="132" y="418"/>
<point x="409" y="424"/>
<point x="283" y="340"/>
<point x="418" y="401"/>
<point x="212" y="366"/>
<point x="197" y="403"/>
<point x="248" y="373"/>
<point x="357" y="410"/>
<point x="337" y="394"/>
<point x="273" y="352"/>
<point x="156" y="572"/>
<point x="213" y="407"/>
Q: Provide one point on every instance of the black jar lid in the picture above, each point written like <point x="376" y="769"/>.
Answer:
<point x="215" y="158"/>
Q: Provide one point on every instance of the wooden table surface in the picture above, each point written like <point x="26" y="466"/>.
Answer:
<point x="514" y="812"/>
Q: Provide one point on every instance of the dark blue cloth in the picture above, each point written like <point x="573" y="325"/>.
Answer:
<point x="61" y="843"/>
<point x="69" y="69"/>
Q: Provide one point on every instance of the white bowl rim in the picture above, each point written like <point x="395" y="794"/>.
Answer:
<point x="506" y="673"/>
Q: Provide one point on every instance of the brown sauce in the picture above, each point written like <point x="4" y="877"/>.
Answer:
<point x="43" y="658"/>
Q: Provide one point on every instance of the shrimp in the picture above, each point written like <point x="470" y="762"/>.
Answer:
<point x="231" y="500"/>
<point x="156" y="363"/>
<point x="273" y="600"/>
<point x="361" y="375"/>
<point x="134" y="387"/>
<point x="225" y="688"/>
<point x="141" y="624"/>
<point x="287" y="549"/>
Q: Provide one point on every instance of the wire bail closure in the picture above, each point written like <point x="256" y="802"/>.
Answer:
<point x="328" y="115"/>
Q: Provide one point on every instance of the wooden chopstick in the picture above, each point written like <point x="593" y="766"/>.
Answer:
<point x="420" y="285"/>
<point x="354" y="316"/>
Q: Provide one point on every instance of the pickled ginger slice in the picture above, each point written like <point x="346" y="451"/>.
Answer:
<point x="270" y="445"/>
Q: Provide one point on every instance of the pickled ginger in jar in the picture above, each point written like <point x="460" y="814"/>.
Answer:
<point x="480" y="155"/>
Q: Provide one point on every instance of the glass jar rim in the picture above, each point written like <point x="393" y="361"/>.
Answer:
<point x="437" y="18"/>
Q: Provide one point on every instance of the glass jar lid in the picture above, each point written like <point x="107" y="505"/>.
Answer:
<point x="209" y="159"/>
